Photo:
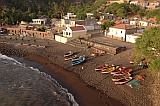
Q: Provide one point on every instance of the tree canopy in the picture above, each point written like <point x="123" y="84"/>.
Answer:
<point x="147" y="47"/>
<point x="106" y="25"/>
<point x="42" y="28"/>
<point x="142" y="12"/>
<point x="126" y="7"/>
<point x="121" y="12"/>
<point x="154" y="13"/>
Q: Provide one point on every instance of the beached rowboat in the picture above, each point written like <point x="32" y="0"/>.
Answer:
<point x="100" y="68"/>
<point x="70" y="57"/>
<point x="118" y="78"/>
<point x="118" y="70"/>
<point x="80" y="60"/>
<point x="77" y="58"/>
<point x="110" y="69"/>
<point x="68" y="54"/>
<point x="122" y="72"/>
<point x="123" y="81"/>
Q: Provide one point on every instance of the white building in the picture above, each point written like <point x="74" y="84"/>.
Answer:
<point x="89" y="14"/>
<point x="74" y="32"/>
<point x="120" y="31"/>
<point x="71" y="33"/>
<point x="39" y="21"/>
<point x="124" y="20"/>
<point x="139" y="23"/>
<point x="132" y="37"/>
<point x="134" y="2"/>
<point x="69" y="16"/>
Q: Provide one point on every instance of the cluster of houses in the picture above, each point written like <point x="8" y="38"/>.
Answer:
<point x="69" y="28"/>
<point x="149" y="5"/>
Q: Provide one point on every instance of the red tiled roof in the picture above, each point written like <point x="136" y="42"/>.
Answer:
<point x="149" y="27"/>
<point x="103" y="20"/>
<point x="76" y="28"/>
<point x="9" y="28"/>
<point x="152" y="19"/>
<point x="117" y="22"/>
<point x="123" y="26"/>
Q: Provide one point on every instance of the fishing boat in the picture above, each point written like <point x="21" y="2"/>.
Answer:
<point x="127" y="71"/>
<point x="110" y="69"/>
<point x="100" y="68"/>
<point x="70" y="53"/>
<point x="77" y="58"/>
<point x="123" y="81"/>
<point x="70" y="57"/>
<point x="80" y="60"/>
<point x="118" y="78"/>
<point x="118" y="70"/>
<point x="122" y="72"/>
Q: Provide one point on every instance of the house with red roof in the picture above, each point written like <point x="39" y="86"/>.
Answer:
<point x="120" y="31"/>
<point x="71" y="33"/>
<point x="74" y="32"/>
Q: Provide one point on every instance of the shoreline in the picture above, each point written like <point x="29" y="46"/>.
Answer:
<point x="101" y="87"/>
<point x="83" y="94"/>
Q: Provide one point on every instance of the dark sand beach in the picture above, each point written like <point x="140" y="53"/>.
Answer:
<point x="91" y="88"/>
<point x="84" y="94"/>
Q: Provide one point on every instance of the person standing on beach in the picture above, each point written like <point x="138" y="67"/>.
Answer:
<point x="140" y="64"/>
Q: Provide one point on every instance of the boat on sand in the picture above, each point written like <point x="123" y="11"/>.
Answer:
<point x="122" y="72"/>
<point x="118" y="78"/>
<point x="80" y="60"/>
<point x="77" y="58"/>
<point x="68" y="54"/>
<point x="118" y="70"/>
<point x="70" y="57"/>
<point x="123" y="81"/>
<point x="110" y="69"/>
<point x="100" y="68"/>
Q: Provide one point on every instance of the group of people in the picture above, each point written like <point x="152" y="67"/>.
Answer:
<point x="143" y="64"/>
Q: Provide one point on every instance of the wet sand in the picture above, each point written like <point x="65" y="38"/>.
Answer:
<point x="84" y="95"/>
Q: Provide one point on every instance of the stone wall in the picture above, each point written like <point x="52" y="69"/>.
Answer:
<point x="108" y="48"/>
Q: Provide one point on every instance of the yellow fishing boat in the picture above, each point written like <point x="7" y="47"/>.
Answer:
<point x="110" y="69"/>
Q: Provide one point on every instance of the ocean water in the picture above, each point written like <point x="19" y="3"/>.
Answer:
<point x="24" y="85"/>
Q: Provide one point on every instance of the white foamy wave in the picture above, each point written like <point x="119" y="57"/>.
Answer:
<point x="15" y="62"/>
<point x="71" y="98"/>
<point x="63" y="92"/>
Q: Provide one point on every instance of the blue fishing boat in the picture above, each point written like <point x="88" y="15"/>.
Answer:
<point x="78" y="61"/>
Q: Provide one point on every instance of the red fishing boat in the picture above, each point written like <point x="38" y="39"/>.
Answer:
<point x="100" y="68"/>
<point x="122" y="72"/>
<point x="118" y="70"/>
<point x="118" y="78"/>
<point x="123" y="81"/>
